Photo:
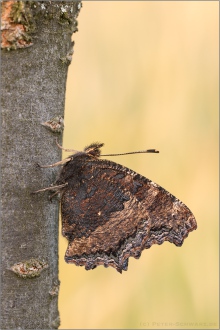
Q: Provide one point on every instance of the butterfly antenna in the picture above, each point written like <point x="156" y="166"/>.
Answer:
<point x="154" y="151"/>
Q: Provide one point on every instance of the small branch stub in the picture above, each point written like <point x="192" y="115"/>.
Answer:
<point x="55" y="323"/>
<point x="68" y="58"/>
<point x="29" y="268"/>
<point x="56" y="124"/>
<point x="55" y="289"/>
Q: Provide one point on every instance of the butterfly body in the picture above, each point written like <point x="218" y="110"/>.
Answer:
<point x="111" y="213"/>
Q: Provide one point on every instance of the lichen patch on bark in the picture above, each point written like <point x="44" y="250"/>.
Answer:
<point x="15" y="20"/>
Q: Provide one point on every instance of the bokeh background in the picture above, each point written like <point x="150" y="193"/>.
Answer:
<point x="145" y="75"/>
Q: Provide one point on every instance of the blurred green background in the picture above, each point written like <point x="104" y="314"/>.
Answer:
<point x="145" y="75"/>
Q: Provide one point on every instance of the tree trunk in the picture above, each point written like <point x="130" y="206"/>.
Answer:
<point x="36" y="51"/>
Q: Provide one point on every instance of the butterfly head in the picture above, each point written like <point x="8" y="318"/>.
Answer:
<point x="94" y="149"/>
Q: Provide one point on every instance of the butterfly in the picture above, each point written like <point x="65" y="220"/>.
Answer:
<point x="110" y="213"/>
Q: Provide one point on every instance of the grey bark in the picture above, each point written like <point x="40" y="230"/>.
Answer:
<point x="33" y="82"/>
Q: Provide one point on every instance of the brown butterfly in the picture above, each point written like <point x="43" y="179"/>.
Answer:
<point x="111" y="213"/>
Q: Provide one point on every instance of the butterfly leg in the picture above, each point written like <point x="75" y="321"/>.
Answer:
<point x="61" y="162"/>
<point x="51" y="188"/>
